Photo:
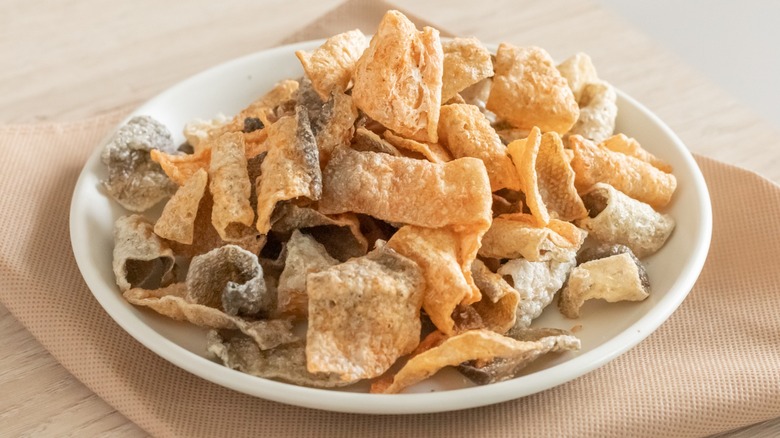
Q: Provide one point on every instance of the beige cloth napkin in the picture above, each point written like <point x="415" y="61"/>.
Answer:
<point x="713" y="366"/>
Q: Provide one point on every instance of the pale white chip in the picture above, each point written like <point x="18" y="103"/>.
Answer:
<point x="135" y="181"/>
<point x="615" y="278"/>
<point x="537" y="283"/>
<point x="615" y="218"/>
<point x="578" y="70"/>
<point x="598" y="111"/>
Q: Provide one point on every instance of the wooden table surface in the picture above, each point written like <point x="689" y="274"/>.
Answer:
<point x="69" y="60"/>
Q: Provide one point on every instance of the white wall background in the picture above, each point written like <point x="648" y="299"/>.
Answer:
<point x="735" y="43"/>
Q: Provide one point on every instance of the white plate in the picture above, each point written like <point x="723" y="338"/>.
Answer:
<point x="607" y="330"/>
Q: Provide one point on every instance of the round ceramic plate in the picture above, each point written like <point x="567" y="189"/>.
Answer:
<point x="608" y="330"/>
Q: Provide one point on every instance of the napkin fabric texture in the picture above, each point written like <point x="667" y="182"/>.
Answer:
<point x="713" y="366"/>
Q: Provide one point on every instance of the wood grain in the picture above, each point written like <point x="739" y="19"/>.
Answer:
<point x="67" y="60"/>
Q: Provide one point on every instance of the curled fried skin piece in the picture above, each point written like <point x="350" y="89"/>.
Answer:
<point x="438" y="253"/>
<point x="330" y="66"/>
<point x="408" y="191"/>
<point x="231" y="215"/>
<point x="229" y="278"/>
<point x="304" y="256"/>
<point x="498" y="306"/>
<point x="363" y="314"/>
<point x="501" y="369"/>
<point x="537" y="283"/>
<point x="181" y="167"/>
<point x="578" y="70"/>
<point x="614" y="278"/>
<point x="141" y="258"/>
<point x="291" y="169"/>
<point x="528" y="91"/>
<point x="398" y="79"/>
<point x="286" y="362"/>
<point x="598" y="111"/>
<point x="634" y="177"/>
<point x="615" y="218"/>
<point x="524" y="153"/>
<point x="481" y="345"/>
<point x="466" y="132"/>
<point x="170" y="302"/>
<point x="466" y="62"/>
<point x="555" y="179"/>
<point x="517" y="235"/>
<point x="631" y="147"/>
<point x="177" y="221"/>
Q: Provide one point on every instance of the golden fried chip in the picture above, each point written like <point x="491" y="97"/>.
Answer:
<point x="498" y="306"/>
<point x="529" y="91"/>
<point x="341" y="233"/>
<point x="598" y="111"/>
<point x="331" y="65"/>
<point x="578" y="70"/>
<point x="177" y="221"/>
<point x="368" y="141"/>
<point x="629" y="146"/>
<point x="615" y="218"/>
<point x="286" y="362"/>
<point x="290" y="170"/>
<point x="232" y="215"/>
<point x="304" y="256"/>
<point x="408" y="191"/>
<point x="180" y="168"/>
<point x="363" y="314"/>
<point x="141" y="259"/>
<point x="547" y="177"/>
<point x="524" y="154"/>
<point x="466" y="62"/>
<point x="500" y="369"/>
<point x="198" y="131"/>
<point x="614" y="278"/>
<point x="433" y="152"/>
<point x="555" y="179"/>
<point x="170" y="302"/>
<point x="537" y="282"/>
<point x="231" y="279"/>
<point x="446" y="271"/>
<point x="630" y="175"/>
<point x="519" y="235"/>
<point x="479" y="345"/>
<point x="466" y="132"/>
<point x="398" y="79"/>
